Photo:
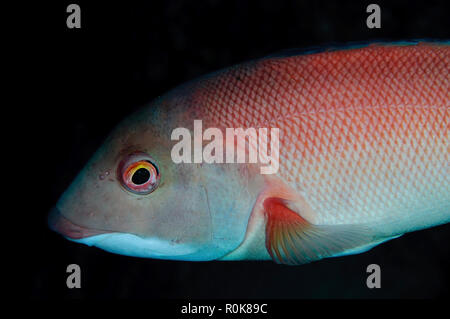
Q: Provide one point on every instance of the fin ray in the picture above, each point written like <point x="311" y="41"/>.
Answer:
<point x="290" y="239"/>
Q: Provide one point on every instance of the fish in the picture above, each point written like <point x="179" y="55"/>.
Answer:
<point x="362" y="158"/>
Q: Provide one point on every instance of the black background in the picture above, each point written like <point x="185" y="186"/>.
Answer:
<point x="84" y="81"/>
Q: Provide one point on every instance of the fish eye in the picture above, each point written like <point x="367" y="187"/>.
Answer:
<point x="138" y="173"/>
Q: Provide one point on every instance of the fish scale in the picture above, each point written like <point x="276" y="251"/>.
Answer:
<point x="363" y="158"/>
<point x="363" y="132"/>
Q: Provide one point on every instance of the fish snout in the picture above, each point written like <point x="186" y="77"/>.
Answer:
<point x="60" y="224"/>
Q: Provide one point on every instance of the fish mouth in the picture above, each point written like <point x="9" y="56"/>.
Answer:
<point x="60" y="224"/>
<point x="119" y="243"/>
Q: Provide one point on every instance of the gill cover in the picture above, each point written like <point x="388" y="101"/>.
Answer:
<point x="152" y="207"/>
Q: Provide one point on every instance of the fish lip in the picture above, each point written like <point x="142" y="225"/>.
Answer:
<point x="60" y="224"/>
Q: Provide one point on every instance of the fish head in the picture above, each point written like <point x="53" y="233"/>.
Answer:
<point x="131" y="198"/>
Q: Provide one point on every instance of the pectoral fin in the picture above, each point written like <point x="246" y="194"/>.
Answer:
<point x="290" y="239"/>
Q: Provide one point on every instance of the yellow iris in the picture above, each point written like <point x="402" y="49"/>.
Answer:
<point x="134" y="167"/>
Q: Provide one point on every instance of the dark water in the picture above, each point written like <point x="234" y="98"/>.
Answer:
<point x="125" y="55"/>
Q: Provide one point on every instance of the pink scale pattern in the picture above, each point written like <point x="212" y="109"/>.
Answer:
<point x="363" y="132"/>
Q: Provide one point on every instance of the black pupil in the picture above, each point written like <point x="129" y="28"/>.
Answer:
<point x="141" y="176"/>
